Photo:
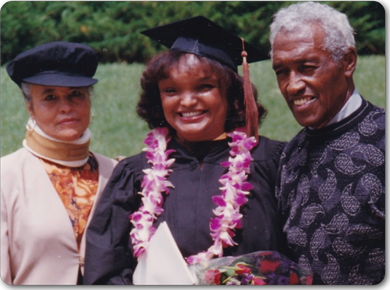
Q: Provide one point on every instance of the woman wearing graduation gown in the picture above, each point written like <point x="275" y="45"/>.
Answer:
<point x="194" y="97"/>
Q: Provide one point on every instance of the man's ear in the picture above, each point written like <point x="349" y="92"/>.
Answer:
<point x="350" y="61"/>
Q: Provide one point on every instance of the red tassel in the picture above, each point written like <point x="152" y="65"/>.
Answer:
<point x="251" y="111"/>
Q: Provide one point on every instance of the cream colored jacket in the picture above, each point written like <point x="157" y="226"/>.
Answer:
<point x="38" y="246"/>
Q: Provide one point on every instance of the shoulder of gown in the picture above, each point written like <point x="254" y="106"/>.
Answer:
<point x="268" y="150"/>
<point x="108" y="259"/>
<point x="266" y="157"/>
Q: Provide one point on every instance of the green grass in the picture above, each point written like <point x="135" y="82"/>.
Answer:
<point x="117" y="129"/>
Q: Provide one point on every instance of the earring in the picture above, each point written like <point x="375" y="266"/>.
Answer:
<point x="92" y="118"/>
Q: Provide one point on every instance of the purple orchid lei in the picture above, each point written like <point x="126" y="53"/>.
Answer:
<point x="153" y="184"/>
<point x="233" y="191"/>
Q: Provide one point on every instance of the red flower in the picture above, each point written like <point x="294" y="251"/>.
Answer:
<point x="268" y="266"/>
<point x="242" y="269"/>
<point x="309" y="279"/>
<point x="294" y="280"/>
<point x="213" y="277"/>
<point x="258" y="281"/>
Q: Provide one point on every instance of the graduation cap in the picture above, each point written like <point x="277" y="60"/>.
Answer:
<point x="201" y="36"/>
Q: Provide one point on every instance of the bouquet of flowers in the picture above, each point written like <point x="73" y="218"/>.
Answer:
<point x="258" y="268"/>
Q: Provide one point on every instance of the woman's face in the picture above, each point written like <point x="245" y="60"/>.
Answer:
<point x="194" y="101"/>
<point x="61" y="112"/>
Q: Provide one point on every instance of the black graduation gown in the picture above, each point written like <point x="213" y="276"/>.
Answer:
<point x="187" y="209"/>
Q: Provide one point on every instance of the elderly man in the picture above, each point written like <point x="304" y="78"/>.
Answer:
<point x="331" y="187"/>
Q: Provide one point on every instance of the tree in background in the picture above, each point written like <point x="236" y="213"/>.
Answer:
<point x="113" y="27"/>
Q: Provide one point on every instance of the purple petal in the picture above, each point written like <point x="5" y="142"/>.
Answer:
<point x="215" y="224"/>
<point x="240" y="199"/>
<point x="218" y="200"/>
<point x="225" y="163"/>
<point x="246" y="186"/>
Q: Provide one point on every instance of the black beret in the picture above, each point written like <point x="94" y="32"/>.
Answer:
<point x="60" y="63"/>
<point x="201" y="36"/>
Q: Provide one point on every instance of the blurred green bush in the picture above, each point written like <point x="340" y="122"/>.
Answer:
<point x="113" y="27"/>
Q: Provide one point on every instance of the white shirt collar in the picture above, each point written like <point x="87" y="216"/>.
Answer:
<point x="353" y="103"/>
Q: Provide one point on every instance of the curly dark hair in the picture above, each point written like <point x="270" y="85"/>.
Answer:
<point x="149" y="106"/>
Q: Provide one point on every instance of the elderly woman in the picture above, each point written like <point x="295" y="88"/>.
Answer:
<point x="49" y="188"/>
<point x="212" y="183"/>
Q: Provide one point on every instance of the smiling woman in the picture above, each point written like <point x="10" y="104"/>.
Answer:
<point x="194" y="100"/>
<point x="198" y="107"/>
<point x="49" y="187"/>
<point x="213" y="76"/>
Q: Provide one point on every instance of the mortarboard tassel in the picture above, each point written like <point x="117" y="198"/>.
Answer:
<point x="251" y="111"/>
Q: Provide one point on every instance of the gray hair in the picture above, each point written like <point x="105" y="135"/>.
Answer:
<point x="26" y="90"/>
<point x="339" y="35"/>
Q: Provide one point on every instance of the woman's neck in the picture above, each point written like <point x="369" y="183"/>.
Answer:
<point x="199" y="149"/>
<point x="67" y="153"/>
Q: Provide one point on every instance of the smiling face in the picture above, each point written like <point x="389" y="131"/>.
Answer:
<point x="193" y="100"/>
<point x="62" y="113"/>
<point x="314" y="86"/>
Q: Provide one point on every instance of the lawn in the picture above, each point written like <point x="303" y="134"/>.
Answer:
<point x="117" y="129"/>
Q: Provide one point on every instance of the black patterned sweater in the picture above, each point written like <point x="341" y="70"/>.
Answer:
<point x="331" y="193"/>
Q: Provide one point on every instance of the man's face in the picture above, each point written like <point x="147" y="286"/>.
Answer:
<point x="313" y="84"/>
